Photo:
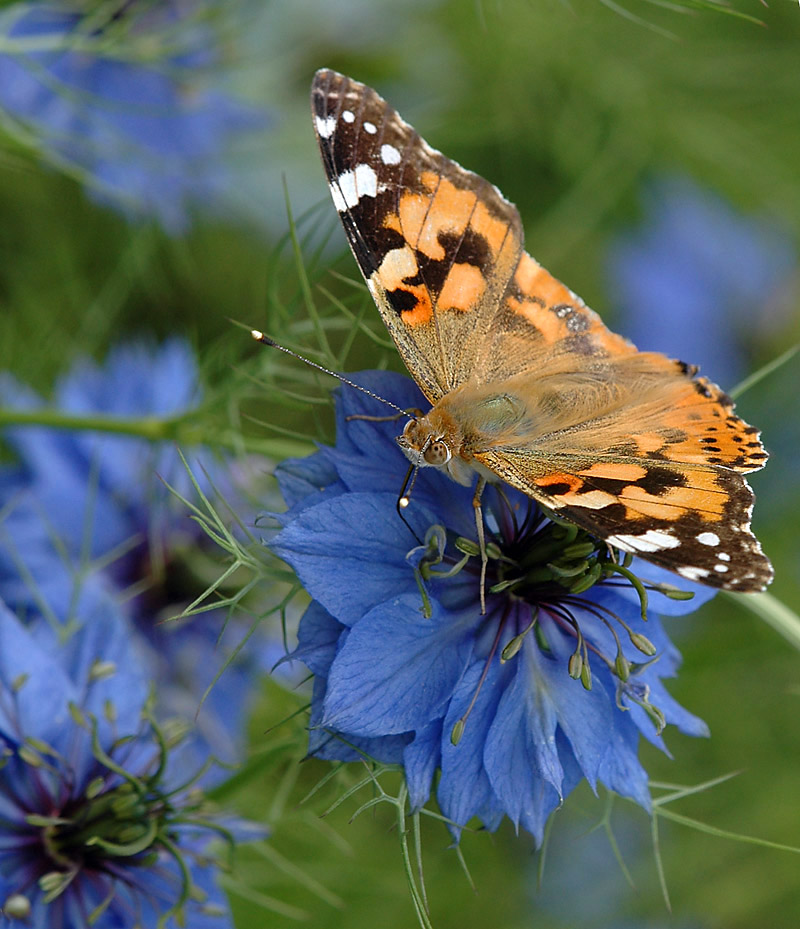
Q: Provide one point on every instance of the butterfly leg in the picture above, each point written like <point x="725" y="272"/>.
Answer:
<point x="476" y="502"/>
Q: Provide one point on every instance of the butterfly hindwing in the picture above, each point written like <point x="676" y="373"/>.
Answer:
<point x="695" y="521"/>
<point x="633" y="447"/>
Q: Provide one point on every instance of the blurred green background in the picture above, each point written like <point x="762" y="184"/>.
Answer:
<point x="572" y="109"/>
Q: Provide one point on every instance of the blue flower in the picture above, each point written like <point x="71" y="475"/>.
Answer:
<point x="408" y="671"/>
<point x="698" y="279"/>
<point x="99" y="822"/>
<point x="143" y="132"/>
<point x="83" y="506"/>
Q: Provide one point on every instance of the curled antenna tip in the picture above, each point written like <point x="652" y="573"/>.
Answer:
<point x="258" y="335"/>
<point x="403" y="502"/>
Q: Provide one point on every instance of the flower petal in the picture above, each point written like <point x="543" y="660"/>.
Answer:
<point x="622" y="597"/>
<point x="41" y="688"/>
<point x="397" y="668"/>
<point x="336" y="746"/>
<point x="337" y="546"/>
<point x="465" y="789"/>
<point x="522" y="758"/>
<point x="421" y="758"/>
<point x="302" y="480"/>
<point x="317" y="639"/>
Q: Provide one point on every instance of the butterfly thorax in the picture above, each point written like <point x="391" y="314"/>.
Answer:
<point x="465" y="422"/>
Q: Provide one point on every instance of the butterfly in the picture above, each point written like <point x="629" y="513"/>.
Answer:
<point x="526" y="384"/>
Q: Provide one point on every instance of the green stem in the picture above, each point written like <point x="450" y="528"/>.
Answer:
<point x="147" y="428"/>
<point x="402" y="830"/>
<point x="180" y="430"/>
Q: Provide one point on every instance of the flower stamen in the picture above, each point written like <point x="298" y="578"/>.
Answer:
<point x="515" y="644"/>
<point x="458" y="729"/>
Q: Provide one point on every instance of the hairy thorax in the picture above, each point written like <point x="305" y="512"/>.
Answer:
<point x="465" y="422"/>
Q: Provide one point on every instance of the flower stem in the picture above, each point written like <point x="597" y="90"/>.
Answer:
<point x="183" y="430"/>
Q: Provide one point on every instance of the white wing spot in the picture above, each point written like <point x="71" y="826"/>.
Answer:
<point x="338" y="199"/>
<point x="348" y="116"/>
<point x="722" y="568"/>
<point x="371" y="128"/>
<point x="723" y="556"/>
<point x="708" y="538"/>
<point x="650" y="541"/>
<point x="692" y="574"/>
<point x="351" y="186"/>
<point x="390" y="155"/>
<point x="326" y="127"/>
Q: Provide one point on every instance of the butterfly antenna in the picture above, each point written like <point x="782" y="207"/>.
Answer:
<point x="266" y="340"/>
<point x="408" y="484"/>
<point x="405" y="497"/>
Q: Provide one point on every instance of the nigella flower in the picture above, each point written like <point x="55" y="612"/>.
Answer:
<point x="116" y="95"/>
<point x="81" y="505"/>
<point x="555" y="683"/>
<point x="698" y="279"/>
<point x="100" y="823"/>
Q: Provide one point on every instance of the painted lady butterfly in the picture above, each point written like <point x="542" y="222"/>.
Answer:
<point x="526" y="383"/>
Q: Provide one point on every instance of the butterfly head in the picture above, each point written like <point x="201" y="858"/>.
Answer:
<point x="435" y="441"/>
<point x="424" y="445"/>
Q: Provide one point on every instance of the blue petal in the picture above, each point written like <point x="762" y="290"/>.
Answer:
<point x="603" y="739"/>
<point x="374" y="439"/>
<point x="674" y="713"/>
<point x="465" y="789"/>
<point x="433" y="491"/>
<point x="105" y="636"/>
<point x="522" y="759"/>
<point x="335" y="746"/>
<point x="317" y="639"/>
<point x="135" y="378"/>
<point x="302" y="480"/>
<point x="618" y="596"/>
<point x="686" y="280"/>
<point x="150" y="138"/>
<point x="619" y="768"/>
<point x="585" y="716"/>
<point x="367" y="455"/>
<point x="95" y="486"/>
<point x="42" y="688"/>
<point x="421" y="758"/>
<point x="397" y="669"/>
<point x="349" y="552"/>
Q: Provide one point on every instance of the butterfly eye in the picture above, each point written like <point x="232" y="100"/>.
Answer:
<point x="437" y="453"/>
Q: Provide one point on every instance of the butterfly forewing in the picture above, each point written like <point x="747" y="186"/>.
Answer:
<point x="629" y="445"/>
<point x="437" y="244"/>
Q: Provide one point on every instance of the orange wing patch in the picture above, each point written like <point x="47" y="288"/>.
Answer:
<point x="714" y="434"/>
<point x="555" y="311"/>
<point x="693" y="520"/>
<point x="463" y="288"/>
<point x="450" y="242"/>
<point x="659" y="493"/>
<point x="697" y="423"/>
<point x="395" y="275"/>
<point x="423" y="217"/>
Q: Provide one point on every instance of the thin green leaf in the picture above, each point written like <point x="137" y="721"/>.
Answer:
<point x="764" y="371"/>
<point x="274" y="857"/>
<point x="774" y="613"/>
<point x="725" y="834"/>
